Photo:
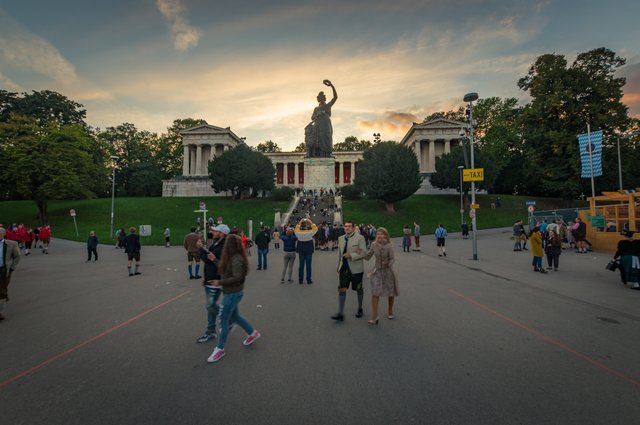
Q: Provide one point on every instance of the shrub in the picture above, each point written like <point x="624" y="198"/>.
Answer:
<point x="351" y="193"/>
<point x="282" y="193"/>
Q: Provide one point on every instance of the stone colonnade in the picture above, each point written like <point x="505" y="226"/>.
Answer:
<point x="290" y="168"/>
<point x="427" y="150"/>
<point x="196" y="158"/>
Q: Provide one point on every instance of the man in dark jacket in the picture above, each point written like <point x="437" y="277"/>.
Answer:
<point x="262" y="242"/>
<point x="132" y="249"/>
<point x="92" y="246"/>
<point x="212" y="293"/>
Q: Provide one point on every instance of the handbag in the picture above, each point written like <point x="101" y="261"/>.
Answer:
<point x="612" y="265"/>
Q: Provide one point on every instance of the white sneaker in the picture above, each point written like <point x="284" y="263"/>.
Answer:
<point x="251" y="338"/>
<point x="217" y="354"/>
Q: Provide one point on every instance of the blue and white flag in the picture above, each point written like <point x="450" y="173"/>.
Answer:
<point x="596" y="154"/>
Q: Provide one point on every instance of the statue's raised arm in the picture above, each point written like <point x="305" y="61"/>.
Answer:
<point x="335" y="93"/>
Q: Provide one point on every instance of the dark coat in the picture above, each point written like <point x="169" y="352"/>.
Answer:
<point x="132" y="244"/>
<point x="262" y="240"/>
<point x="211" y="267"/>
<point x="92" y="242"/>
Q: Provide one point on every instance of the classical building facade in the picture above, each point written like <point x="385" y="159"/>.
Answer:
<point x="203" y="143"/>
<point x="430" y="140"/>
<point x="290" y="170"/>
<point x="200" y="145"/>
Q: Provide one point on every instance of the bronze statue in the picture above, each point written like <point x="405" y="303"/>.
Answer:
<point x="318" y="134"/>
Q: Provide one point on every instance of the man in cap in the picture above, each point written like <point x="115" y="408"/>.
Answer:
<point x="211" y="273"/>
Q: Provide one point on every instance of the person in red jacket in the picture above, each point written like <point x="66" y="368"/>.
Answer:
<point x="45" y="238"/>
<point x="12" y="235"/>
<point x="28" y="241"/>
<point x="21" y="233"/>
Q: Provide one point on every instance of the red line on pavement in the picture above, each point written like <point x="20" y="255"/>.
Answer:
<point x="89" y="341"/>
<point x="546" y="338"/>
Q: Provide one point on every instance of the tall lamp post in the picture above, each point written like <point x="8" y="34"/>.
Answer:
<point x="113" y="191"/>
<point x="470" y="98"/>
<point x="460" y="168"/>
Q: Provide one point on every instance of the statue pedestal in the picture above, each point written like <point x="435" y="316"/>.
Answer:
<point x="319" y="173"/>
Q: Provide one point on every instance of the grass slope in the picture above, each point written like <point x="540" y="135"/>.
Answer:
<point x="177" y="213"/>
<point x="430" y="210"/>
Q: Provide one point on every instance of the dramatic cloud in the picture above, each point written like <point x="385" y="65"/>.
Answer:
<point x="22" y="50"/>
<point x="185" y="36"/>
<point x="632" y="88"/>
<point x="9" y="85"/>
<point x="391" y="123"/>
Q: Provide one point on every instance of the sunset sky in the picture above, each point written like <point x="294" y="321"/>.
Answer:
<point x="257" y="66"/>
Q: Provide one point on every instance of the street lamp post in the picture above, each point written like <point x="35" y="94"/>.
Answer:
<point x="460" y="168"/>
<point x="113" y="192"/>
<point x="470" y="98"/>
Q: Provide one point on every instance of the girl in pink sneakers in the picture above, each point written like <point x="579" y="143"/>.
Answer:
<point x="233" y="267"/>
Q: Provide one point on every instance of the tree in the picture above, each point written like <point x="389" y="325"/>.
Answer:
<point x="241" y="171"/>
<point x="46" y="107"/>
<point x="351" y="143"/>
<point x="268" y="147"/>
<point x="457" y="115"/>
<point x="389" y="172"/>
<point x="564" y="100"/>
<point x="138" y="172"/>
<point x="448" y="174"/>
<point x="47" y="163"/>
<point x="301" y="148"/>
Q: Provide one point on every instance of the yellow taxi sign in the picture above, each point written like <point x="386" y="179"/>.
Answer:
<point x="475" y="206"/>
<point x="473" y="175"/>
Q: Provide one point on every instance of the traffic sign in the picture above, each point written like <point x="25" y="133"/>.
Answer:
<point x="473" y="175"/>
<point x="472" y="213"/>
<point x="203" y="206"/>
<point x="475" y="206"/>
<point x="531" y="203"/>
<point x="530" y="208"/>
<point x="72" y="212"/>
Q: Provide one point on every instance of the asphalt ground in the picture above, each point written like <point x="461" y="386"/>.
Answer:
<point x="472" y="342"/>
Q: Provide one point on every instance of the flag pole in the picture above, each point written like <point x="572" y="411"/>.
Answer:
<point x="593" y="186"/>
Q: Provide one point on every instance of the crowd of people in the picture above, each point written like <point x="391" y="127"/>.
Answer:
<point x="224" y="257"/>
<point x="29" y="237"/>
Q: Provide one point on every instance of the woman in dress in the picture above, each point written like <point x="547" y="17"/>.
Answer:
<point x="384" y="281"/>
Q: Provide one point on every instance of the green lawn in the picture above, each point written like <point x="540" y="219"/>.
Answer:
<point x="177" y="213"/>
<point x="430" y="210"/>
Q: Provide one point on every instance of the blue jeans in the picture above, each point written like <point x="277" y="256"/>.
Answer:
<point x="305" y="259"/>
<point x="262" y="254"/>
<point x="212" y="295"/>
<point x="230" y="314"/>
<point x="537" y="262"/>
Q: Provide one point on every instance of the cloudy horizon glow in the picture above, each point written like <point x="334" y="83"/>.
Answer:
<point x="257" y="66"/>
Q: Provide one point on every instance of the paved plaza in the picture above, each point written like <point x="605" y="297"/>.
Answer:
<point x="473" y="342"/>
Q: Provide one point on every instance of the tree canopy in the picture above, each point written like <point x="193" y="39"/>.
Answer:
<point x="242" y="171"/>
<point x="351" y="143"/>
<point x="45" y="107"/>
<point x="268" y="146"/>
<point x="389" y="172"/>
<point x="45" y="163"/>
